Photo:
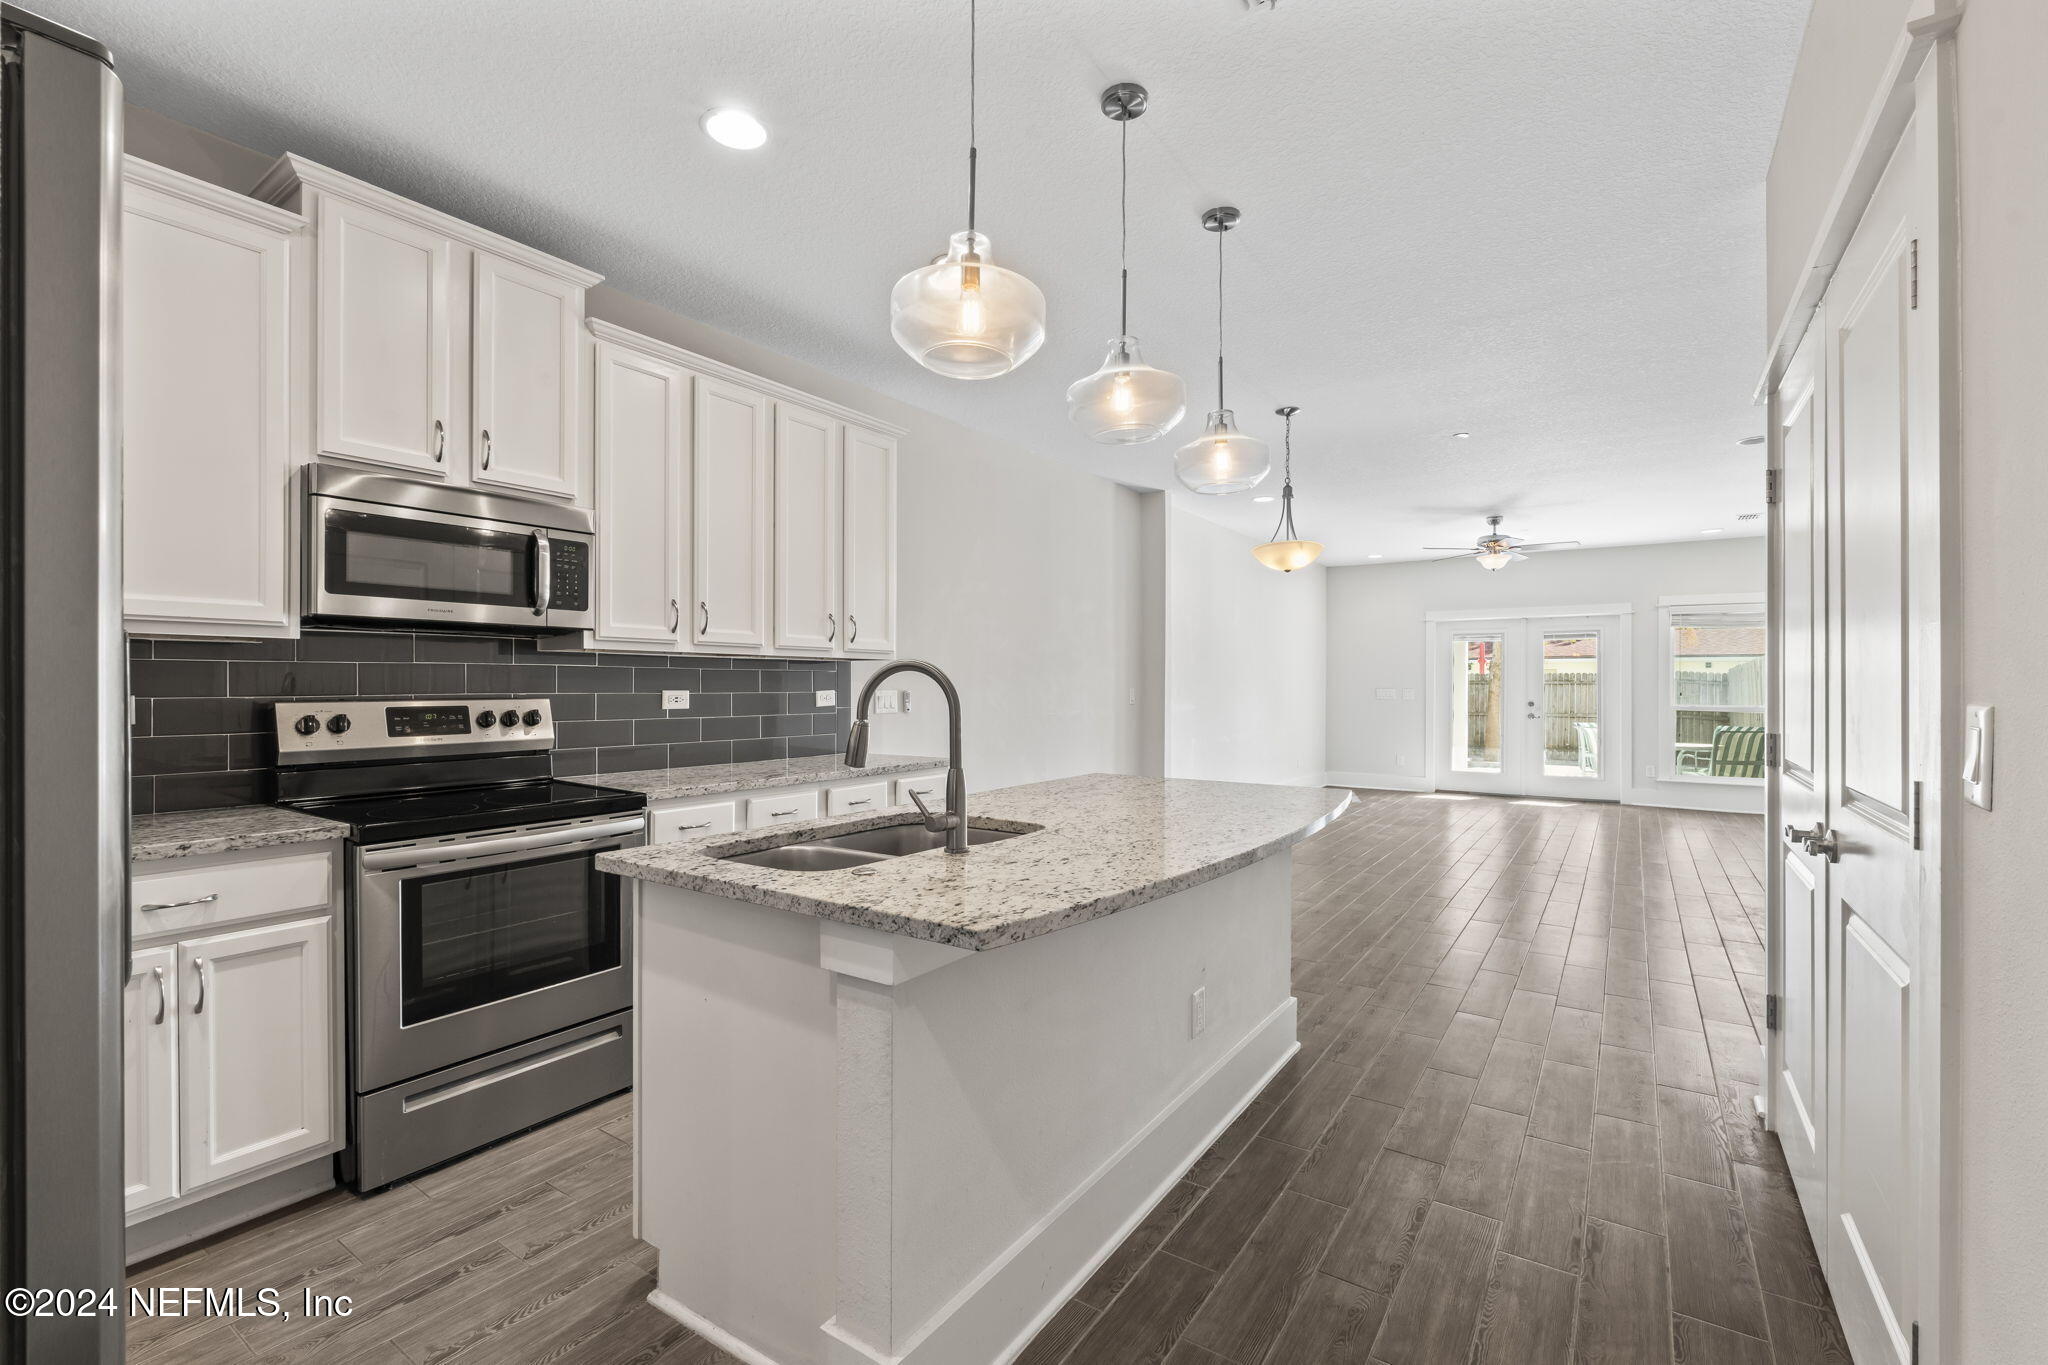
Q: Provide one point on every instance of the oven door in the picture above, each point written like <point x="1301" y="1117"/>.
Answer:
<point x="374" y="562"/>
<point x="463" y="946"/>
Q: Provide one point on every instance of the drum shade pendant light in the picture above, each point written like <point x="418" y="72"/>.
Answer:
<point x="1222" y="459"/>
<point x="963" y="316"/>
<point x="1293" y="552"/>
<point x="1126" y="401"/>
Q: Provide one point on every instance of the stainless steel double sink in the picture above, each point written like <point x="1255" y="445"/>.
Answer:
<point x="861" y="847"/>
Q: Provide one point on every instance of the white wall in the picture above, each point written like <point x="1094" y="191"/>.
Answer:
<point x="1998" y="944"/>
<point x="1378" y="639"/>
<point x="1245" y="660"/>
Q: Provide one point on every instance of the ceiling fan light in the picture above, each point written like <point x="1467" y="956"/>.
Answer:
<point x="964" y="317"/>
<point x="1222" y="459"/>
<point x="1288" y="555"/>
<point x="1126" y="401"/>
<point x="1494" y="560"/>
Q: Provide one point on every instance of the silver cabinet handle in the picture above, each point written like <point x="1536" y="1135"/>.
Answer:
<point x="675" y="616"/>
<point x="543" y="571"/>
<point x="207" y="899"/>
<point x="487" y="447"/>
<point x="864" y="801"/>
<point x="162" y="1001"/>
<point x="705" y="825"/>
<point x="199" y="973"/>
<point x="831" y="627"/>
<point x="852" y="627"/>
<point x="780" y="813"/>
<point x="440" y="441"/>
<point x="705" y="628"/>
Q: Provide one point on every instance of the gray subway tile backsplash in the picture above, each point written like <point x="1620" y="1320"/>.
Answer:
<point x="202" y="731"/>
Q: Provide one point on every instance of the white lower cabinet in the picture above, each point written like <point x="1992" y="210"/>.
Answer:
<point x="930" y="786"/>
<point x="692" y="822"/>
<point x="857" y="799"/>
<point x="149" y="1078"/>
<point x="780" y="808"/>
<point x="231" y="1027"/>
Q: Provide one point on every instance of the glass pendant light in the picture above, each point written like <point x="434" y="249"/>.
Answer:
<point x="963" y="316"/>
<point x="1293" y="552"/>
<point x="1222" y="459"/>
<point x="1126" y="401"/>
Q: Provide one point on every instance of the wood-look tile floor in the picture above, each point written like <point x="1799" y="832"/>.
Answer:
<point x="1519" y="1130"/>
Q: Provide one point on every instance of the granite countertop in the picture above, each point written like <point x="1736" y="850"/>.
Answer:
<point x="184" y="834"/>
<point x="1097" y="844"/>
<point x="712" y="779"/>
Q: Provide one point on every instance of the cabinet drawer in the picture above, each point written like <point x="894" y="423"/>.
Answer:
<point x="780" y="808"/>
<point x="692" y="822"/>
<point x="931" y="786"/>
<point x="854" y="800"/>
<point x="208" y="893"/>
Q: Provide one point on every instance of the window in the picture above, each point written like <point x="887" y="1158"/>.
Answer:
<point x="1716" y="697"/>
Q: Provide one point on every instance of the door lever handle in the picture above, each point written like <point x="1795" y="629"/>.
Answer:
<point x="1825" y="844"/>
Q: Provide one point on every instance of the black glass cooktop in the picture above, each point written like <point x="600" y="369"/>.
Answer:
<point x="461" y="810"/>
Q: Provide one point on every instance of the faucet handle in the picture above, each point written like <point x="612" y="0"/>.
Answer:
<point x="934" y="823"/>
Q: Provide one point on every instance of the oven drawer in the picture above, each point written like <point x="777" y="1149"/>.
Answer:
<point x="204" y="893"/>
<point x="780" y="808"/>
<point x="694" y="822"/>
<point x="407" y="1127"/>
<point x="856" y="800"/>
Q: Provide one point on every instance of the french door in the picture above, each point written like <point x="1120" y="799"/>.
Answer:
<point x="1856" y="923"/>
<point x="1531" y="706"/>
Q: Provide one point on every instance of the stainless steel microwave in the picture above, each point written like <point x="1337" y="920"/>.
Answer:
<point x="390" y="551"/>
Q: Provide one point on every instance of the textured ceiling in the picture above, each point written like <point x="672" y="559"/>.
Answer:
<point x="1539" y="223"/>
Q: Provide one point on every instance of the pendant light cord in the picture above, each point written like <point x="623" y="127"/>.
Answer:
<point x="1286" y="521"/>
<point x="1123" y="222"/>
<point x="1220" y="404"/>
<point x="973" y="151"/>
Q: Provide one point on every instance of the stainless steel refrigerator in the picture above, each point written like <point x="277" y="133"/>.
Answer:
<point x="63" y="696"/>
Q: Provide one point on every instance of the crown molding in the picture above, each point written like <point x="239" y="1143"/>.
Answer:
<point x="290" y="172"/>
<point x="613" y="334"/>
<point x="207" y="195"/>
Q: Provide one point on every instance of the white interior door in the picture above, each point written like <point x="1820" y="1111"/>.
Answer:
<point x="1532" y="706"/>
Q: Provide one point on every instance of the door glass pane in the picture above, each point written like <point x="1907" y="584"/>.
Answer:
<point x="474" y="937"/>
<point x="1476" y="704"/>
<point x="1571" y="705"/>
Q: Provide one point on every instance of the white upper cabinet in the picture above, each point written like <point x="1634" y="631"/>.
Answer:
<point x="867" y="573"/>
<point x="440" y="349"/>
<point x="207" y="395"/>
<point x="528" y="394"/>
<point x="643" y="497"/>
<point x="730" y="522"/>
<point x="806" y="532"/>
<point x="383" y="307"/>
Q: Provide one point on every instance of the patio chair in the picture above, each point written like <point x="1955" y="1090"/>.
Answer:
<point x="1589" y="747"/>
<point x="1738" y="751"/>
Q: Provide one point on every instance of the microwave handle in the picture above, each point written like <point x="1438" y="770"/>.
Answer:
<point x="543" y="571"/>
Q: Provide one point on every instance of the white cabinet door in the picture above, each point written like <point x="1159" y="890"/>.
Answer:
<point x="206" y="389"/>
<point x="385" y="310"/>
<point x="806" y="578"/>
<point x="256" y="1047"/>
<point x="729" y="526"/>
<point x="868" y="561"/>
<point x="149" y="1078"/>
<point x="643" y="499"/>
<point x="527" y="382"/>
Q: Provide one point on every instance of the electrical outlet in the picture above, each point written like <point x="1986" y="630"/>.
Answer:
<point x="888" y="702"/>
<point x="1134" y="696"/>
<point x="1649" y="770"/>
<point x="1401" y="762"/>
<point x="828" y="698"/>
<point x="1198" y="1011"/>
<point x="675" y="701"/>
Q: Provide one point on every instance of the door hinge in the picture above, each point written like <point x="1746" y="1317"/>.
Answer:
<point x="1915" y="287"/>
<point x="1916" y="815"/>
<point x="1771" y="751"/>
<point x="1771" y="1013"/>
<point x="1770" y="487"/>
<point x="1916" y="1344"/>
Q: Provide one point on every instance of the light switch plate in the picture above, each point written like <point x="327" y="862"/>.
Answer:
<point x="675" y="701"/>
<point x="888" y="702"/>
<point x="1976" y="772"/>
<point x="828" y="698"/>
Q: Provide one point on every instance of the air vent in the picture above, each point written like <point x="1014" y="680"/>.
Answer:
<point x="1747" y="516"/>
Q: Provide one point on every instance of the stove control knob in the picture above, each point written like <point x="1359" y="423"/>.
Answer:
<point x="509" y="719"/>
<point x="530" y="718"/>
<point x="486" y="719"/>
<point x="337" y="725"/>
<point x="307" y="725"/>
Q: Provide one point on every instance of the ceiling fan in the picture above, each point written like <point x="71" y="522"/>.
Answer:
<point x="1496" y="551"/>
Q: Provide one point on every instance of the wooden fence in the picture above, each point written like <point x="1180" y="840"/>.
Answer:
<point x="1567" y="699"/>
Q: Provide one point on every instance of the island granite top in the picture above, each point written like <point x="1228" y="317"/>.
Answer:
<point x="189" y="833"/>
<point x="715" y="779"/>
<point x="1097" y="844"/>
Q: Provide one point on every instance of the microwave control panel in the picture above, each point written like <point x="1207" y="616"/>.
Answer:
<point x="569" y="575"/>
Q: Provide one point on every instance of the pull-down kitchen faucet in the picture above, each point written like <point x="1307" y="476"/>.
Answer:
<point x="954" y="822"/>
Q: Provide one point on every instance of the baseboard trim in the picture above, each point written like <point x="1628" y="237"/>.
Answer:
<point x="1737" y="801"/>
<point x="1390" y="782"/>
<point x="709" y="1330"/>
<point x="216" y="1213"/>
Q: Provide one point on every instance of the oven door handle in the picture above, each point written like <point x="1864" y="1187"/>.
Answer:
<point x="413" y="855"/>
<point x="543" y="571"/>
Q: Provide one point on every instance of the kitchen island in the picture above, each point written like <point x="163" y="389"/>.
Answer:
<point x="899" y="1110"/>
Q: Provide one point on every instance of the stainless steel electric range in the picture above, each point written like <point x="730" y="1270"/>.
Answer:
<point x="489" y="961"/>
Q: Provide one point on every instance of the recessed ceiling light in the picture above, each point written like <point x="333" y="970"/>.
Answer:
<point x="1263" y="497"/>
<point x="1375" y="556"/>
<point x="735" y="128"/>
<point x="1711" y="531"/>
<point x="1461" y="436"/>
